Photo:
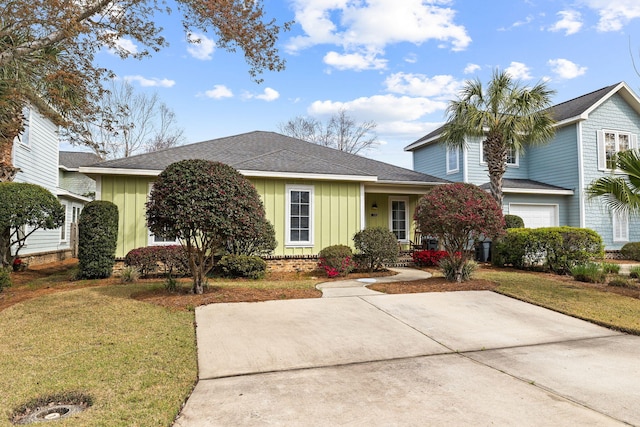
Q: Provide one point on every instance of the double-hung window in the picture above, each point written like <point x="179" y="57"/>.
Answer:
<point x="453" y="160"/>
<point x="611" y="143"/>
<point x="299" y="215"/>
<point x="399" y="218"/>
<point x="513" y="156"/>
<point x="620" y="226"/>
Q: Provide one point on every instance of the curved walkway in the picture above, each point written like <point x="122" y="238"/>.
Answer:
<point x="358" y="287"/>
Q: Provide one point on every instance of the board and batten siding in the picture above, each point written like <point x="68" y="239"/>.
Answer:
<point x="336" y="211"/>
<point x="615" y="114"/>
<point x="380" y="217"/>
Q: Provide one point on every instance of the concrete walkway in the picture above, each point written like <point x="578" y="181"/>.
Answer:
<point x="455" y="358"/>
<point x="357" y="287"/>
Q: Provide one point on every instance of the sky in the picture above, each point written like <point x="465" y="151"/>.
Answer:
<point x="395" y="62"/>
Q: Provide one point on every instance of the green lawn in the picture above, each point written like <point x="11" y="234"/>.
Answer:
<point x="136" y="360"/>
<point x="604" y="308"/>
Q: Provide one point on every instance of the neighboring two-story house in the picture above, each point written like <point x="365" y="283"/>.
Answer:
<point x="36" y="154"/>
<point x="546" y="185"/>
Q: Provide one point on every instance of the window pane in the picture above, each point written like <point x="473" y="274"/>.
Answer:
<point x="295" y="197"/>
<point x="304" y="210"/>
<point x="295" y="236"/>
<point x="304" y="197"/>
<point x="623" y="142"/>
<point x="295" y="209"/>
<point x="610" y="148"/>
<point x="295" y="223"/>
<point x="304" y="235"/>
<point x="304" y="223"/>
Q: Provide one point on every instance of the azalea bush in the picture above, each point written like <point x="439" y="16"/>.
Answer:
<point x="428" y="258"/>
<point x="459" y="215"/>
<point x="376" y="246"/>
<point x="250" y="267"/>
<point x="147" y="259"/>
<point x="336" y="260"/>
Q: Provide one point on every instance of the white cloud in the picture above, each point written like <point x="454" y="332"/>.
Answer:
<point x="354" y="61"/>
<point x="152" y="82"/>
<point x="566" y="69"/>
<point x="268" y="95"/>
<point x="614" y="14"/>
<point x="441" y="86"/>
<point x="200" y="46"/>
<point x="219" y="92"/>
<point x="517" y="24"/>
<point x="411" y="58"/>
<point x="570" y="22"/>
<point x="471" y="68"/>
<point x="370" y="26"/>
<point x="126" y="45"/>
<point x="518" y="71"/>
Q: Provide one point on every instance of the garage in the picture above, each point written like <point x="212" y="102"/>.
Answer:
<point x="535" y="215"/>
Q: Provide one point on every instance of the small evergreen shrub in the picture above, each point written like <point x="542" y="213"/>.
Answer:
<point x="449" y="268"/>
<point x="513" y="221"/>
<point x="97" y="238"/>
<point x="631" y="251"/>
<point x="336" y="260"/>
<point x="5" y="278"/>
<point x="146" y="259"/>
<point x="634" y="272"/>
<point x="428" y="258"/>
<point x="250" y="267"/>
<point x="378" y="246"/>
<point x="610" y="268"/>
<point x="589" y="272"/>
<point x="129" y="274"/>
<point x="171" y="284"/>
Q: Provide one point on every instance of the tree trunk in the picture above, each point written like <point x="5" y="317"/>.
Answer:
<point x="495" y="154"/>
<point x="11" y="124"/>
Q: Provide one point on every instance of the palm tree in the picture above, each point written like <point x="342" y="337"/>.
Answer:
<point x="620" y="193"/>
<point x="507" y="115"/>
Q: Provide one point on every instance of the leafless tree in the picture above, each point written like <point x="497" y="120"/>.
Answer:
<point x="341" y="131"/>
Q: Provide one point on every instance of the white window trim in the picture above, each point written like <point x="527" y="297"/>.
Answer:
<point x="509" y="165"/>
<point x="294" y="187"/>
<point x="602" y="149"/>
<point x="64" y="233"/>
<point x="151" y="238"/>
<point x="615" y="218"/>
<point x="406" y="216"/>
<point x="27" y="112"/>
<point x="453" y="152"/>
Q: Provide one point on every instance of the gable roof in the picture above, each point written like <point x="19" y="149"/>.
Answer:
<point x="72" y="160"/>
<point x="268" y="154"/>
<point x="566" y="112"/>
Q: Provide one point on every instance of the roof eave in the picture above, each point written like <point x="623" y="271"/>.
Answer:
<point x="558" y="192"/>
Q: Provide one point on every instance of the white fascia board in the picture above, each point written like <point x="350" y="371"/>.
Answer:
<point x="538" y="191"/>
<point x="117" y="171"/>
<point x="301" y="175"/>
<point x="64" y="193"/>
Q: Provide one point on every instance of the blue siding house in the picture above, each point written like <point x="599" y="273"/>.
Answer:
<point x="36" y="154"/>
<point x="546" y="185"/>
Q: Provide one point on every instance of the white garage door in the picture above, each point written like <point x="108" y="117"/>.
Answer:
<point x="535" y="216"/>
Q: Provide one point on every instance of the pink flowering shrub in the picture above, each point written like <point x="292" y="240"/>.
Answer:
<point x="428" y="258"/>
<point x="336" y="260"/>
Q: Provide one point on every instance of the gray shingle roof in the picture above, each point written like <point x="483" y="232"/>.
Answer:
<point x="525" y="184"/>
<point x="75" y="159"/>
<point x="563" y="111"/>
<point x="272" y="152"/>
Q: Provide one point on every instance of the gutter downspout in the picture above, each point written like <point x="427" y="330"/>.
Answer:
<point x="581" y="186"/>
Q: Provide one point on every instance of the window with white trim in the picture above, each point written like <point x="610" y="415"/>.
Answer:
<point x="63" y="229"/>
<point x="453" y="160"/>
<point x="399" y="218"/>
<point x="620" y="222"/>
<point x="299" y="215"/>
<point x="513" y="156"/>
<point x="24" y="137"/>
<point x="152" y="239"/>
<point x="611" y="143"/>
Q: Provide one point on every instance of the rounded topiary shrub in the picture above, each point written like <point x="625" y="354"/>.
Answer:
<point x="97" y="238"/>
<point x="336" y="260"/>
<point x="631" y="251"/>
<point x="513" y="221"/>
<point x="377" y="246"/>
<point x="250" y="267"/>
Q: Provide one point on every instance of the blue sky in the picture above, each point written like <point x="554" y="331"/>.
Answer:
<point x="396" y="62"/>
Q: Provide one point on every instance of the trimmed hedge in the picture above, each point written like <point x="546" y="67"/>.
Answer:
<point x="97" y="238"/>
<point x="513" y="221"/>
<point x="336" y="260"/>
<point x="250" y="267"/>
<point x="146" y="259"/>
<point x="631" y="251"/>
<point x="557" y="249"/>
<point x="377" y="246"/>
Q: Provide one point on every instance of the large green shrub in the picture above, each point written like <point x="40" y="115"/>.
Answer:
<point x="205" y="205"/>
<point x="459" y="215"/>
<point x="377" y="246"/>
<point x="336" y="260"/>
<point x="259" y="241"/>
<point x="631" y="251"/>
<point x="251" y="267"/>
<point x="513" y="221"/>
<point x="5" y="278"/>
<point x="97" y="238"/>
<point x="557" y="249"/>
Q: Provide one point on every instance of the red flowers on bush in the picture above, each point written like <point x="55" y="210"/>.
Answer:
<point x="428" y="258"/>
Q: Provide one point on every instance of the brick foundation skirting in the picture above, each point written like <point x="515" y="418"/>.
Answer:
<point x="46" y="257"/>
<point x="292" y="263"/>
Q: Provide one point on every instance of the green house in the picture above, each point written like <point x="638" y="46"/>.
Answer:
<point x="314" y="196"/>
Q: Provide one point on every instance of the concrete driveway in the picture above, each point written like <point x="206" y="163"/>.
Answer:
<point x="457" y="358"/>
